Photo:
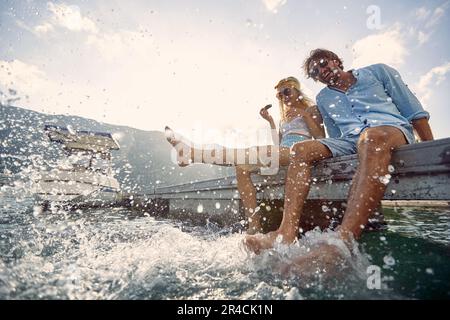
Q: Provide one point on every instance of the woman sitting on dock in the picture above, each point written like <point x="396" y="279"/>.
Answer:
<point x="300" y="120"/>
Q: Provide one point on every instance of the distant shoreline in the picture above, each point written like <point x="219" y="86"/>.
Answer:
<point x="416" y="203"/>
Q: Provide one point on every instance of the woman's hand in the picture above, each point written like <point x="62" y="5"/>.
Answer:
<point x="265" y="114"/>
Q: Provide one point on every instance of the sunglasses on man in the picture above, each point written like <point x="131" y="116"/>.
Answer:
<point x="314" y="72"/>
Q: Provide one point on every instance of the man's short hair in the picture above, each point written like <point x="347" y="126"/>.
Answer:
<point x="318" y="54"/>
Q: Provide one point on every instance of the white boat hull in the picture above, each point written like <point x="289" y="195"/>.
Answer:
<point x="76" y="188"/>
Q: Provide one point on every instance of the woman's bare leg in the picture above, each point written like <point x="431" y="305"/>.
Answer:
<point x="220" y="155"/>
<point x="305" y="154"/>
<point x="247" y="192"/>
<point x="186" y="155"/>
<point x="284" y="156"/>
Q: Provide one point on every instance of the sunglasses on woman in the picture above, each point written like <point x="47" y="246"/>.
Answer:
<point x="287" y="92"/>
<point x="314" y="72"/>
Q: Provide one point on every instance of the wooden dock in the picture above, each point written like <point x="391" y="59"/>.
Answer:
<point x="418" y="172"/>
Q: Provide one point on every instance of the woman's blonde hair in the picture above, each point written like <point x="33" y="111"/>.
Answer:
<point x="292" y="82"/>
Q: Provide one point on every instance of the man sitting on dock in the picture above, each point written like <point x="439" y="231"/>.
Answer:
<point x="368" y="111"/>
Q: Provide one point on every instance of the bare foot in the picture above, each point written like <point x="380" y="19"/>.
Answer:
<point x="323" y="257"/>
<point x="184" y="151"/>
<point x="259" y="242"/>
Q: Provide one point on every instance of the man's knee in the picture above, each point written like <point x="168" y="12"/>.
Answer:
<point x="380" y="139"/>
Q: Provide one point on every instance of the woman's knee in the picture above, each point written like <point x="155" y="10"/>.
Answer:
<point x="308" y="152"/>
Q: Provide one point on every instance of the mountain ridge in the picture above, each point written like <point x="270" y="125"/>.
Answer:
<point x="142" y="163"/>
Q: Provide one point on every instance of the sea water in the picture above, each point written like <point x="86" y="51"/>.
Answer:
<point x="114" y="253"/>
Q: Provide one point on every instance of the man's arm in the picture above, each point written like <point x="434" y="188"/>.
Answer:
<point x="423" y="129"/>
<point x="332" y="130"/>
<point x="406" y="102"/>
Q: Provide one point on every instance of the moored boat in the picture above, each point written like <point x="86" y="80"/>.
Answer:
<point x="84" y="178"/>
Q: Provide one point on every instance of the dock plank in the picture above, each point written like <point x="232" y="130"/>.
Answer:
<point x="420" y="172"/>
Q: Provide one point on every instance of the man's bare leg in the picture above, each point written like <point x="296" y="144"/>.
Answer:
<point x="375" y="152"/>
<point x="375" y="148"/>
<point x="304" y="155"/>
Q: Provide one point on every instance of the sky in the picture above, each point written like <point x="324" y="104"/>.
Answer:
<point x="205" y="68"/>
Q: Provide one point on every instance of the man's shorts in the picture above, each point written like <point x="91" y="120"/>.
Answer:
<point x="348" y="145"/>
<point x="341" y="146"/>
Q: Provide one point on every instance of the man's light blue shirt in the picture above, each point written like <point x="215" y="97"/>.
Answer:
<point x="378" y="98"/>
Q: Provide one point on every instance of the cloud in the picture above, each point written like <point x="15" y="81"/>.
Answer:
<point x="43" y="28"/>
<point x="149" y="72"/>
<point x="387" y="47"/>
<point x="17" y="72"/>
<point x="29" y="86"/>
<point x="432" y="78"/>
<point x="423" y="37"/>
<point x="122" y="45"/>
<point x="422" y="13"/>
<point x="130" y="79"/>
<point x="65" y="16"/>
<point x="21" y="79"/>
<point x="429" y="19"/>
<point x="437" y="15"/>
<point x="273" y="5"/>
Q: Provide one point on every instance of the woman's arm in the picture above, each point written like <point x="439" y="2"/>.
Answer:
<point x="276" y="135"/>
<point x="272" y="124"/>
<point x="280" y="136"/>
<point x="273" y="129"/>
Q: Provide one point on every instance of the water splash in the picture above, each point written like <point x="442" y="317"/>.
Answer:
<point x="107" y="254"/>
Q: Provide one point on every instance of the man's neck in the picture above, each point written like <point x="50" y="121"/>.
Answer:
<point x="346" y="80"/>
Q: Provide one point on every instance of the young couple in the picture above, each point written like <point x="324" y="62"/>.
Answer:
<point x="368" y="111"/>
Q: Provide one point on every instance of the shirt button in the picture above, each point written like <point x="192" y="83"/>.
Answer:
<point x="357" y="130"/>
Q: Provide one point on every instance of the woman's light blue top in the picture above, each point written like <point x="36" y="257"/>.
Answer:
<point x="294" y="131"/>
<point x="295" y="126"/>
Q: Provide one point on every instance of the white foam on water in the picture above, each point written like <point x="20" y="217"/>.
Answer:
<point x="154" y="259"/>
<point x="105" y="255"/>
<point x="316" y="252"/>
